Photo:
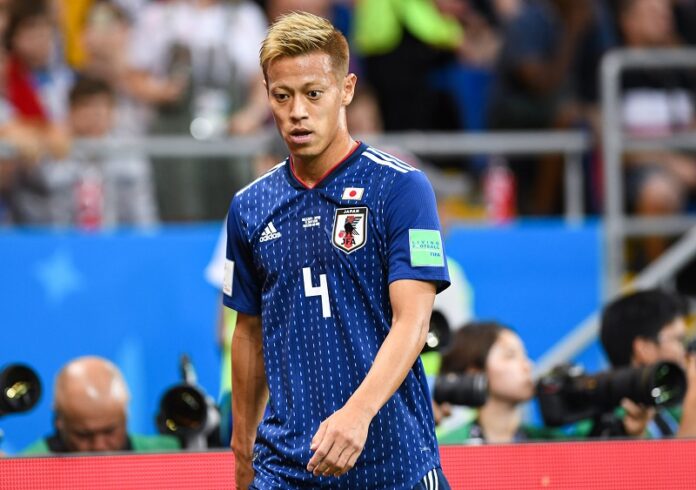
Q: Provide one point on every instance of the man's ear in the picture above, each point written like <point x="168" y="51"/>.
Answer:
<point x="644" y="351"/>
<point x="349" y="83"/>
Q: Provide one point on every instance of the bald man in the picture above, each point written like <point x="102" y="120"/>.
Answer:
<point x="91" y="409"/>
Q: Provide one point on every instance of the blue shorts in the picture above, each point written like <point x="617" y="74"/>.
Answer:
<point x="433" y="480"/>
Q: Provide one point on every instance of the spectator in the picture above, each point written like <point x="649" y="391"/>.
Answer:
<point x="534" y="87"/>
<point x="684" y="13"/>
<point x="86" y="190"/>
<point x="655" y="103"/>
<point x="640" y="329"/>
<point x="36" y="82"/>
<point x="498" y="352"/>
<point x="73" y="17"/>
<point x="276" y="8"/>
<point x="339" y="12"/>
<point x="106" y="39"/>
<point x="196" y="62"/>
<point x="91" y="411"/>
<point x="537" y="57"/>
<point x="403" y="43"/>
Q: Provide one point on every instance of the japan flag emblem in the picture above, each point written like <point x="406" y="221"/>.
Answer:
<point x="352" y="193"/>
<point x="350" y="229"/>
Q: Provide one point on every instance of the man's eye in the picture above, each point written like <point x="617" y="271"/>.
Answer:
<point x="314" y="94"/>
<point x="280" y="97"/>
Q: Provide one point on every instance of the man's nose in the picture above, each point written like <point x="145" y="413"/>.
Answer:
<point x="100" y="442"/>
<point x="298" y="109"/>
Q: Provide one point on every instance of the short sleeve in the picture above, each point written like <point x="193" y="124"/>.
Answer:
<point x="414" y="239"/>
<point x="240" y="286"/>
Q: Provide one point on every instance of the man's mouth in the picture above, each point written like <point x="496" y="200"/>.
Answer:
<point x="300" y="136"/>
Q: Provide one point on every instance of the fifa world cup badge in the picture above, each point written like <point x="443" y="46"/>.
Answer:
<point x="350" y="229"/>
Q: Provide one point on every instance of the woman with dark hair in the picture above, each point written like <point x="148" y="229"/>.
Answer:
<point x="498" y="352"/>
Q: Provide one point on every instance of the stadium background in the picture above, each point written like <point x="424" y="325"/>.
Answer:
<point x="139" y="295"/>
<point x="141" y="299"/>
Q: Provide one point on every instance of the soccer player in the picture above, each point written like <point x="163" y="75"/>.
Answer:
<point x="333" y="261"/>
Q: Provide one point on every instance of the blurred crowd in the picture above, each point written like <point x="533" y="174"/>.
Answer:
<point x="75" y="69"/>
<point x="80" y="69"/>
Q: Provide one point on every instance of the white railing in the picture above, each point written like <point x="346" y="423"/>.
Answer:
<point x="570" y="144"/>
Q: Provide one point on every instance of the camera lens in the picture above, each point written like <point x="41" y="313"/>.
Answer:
<point x="20" y="389"/>
<point x="668" y="383"/>
<point x="461" y="389"/>
<point x="183" y="411"/>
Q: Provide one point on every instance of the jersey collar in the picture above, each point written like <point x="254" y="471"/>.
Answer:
<point x="330" y="174"/>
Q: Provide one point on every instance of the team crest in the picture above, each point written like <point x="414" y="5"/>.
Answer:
<point x="350" y="229"/>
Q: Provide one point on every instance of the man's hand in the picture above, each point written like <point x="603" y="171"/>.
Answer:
<point x="339" y="441"/>
<point x="243" y="472"/>
<point x="636" y="419"/>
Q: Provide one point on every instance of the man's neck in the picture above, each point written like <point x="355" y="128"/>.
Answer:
<point x="310" y="170"/>
<point x="500" y="421"/>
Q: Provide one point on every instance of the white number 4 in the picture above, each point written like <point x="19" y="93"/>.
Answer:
<point x="322" y="290"/>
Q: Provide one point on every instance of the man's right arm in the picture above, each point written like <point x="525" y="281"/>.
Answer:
<point x="249" y="393"/>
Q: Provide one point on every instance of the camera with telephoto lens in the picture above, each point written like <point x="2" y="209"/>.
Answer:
<point x="20" y="389"/>
<point x="456" y="389"/>
<point x="188" y="412"/>
<point x="567" y="394"/>
<point x="469" y="390"/>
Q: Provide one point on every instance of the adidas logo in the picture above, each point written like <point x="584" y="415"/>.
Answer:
<point x="269" y="233"/>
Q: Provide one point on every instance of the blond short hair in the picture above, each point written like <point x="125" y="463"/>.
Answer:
<point x="300" y="33"/>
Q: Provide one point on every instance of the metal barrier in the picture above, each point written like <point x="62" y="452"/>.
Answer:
<point x="617" y="225"/>
<point x="570" y="144"/>
<point x="656" y="274"/>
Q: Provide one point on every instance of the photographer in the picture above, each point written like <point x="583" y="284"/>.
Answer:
<point x="90" y="404"/>
<point x="498" y="352"/>
<point x="640" y="329"/>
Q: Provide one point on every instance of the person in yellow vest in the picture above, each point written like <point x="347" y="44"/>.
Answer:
<point x="402" y="43"/>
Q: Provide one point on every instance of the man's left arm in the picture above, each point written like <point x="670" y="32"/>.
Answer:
<point x="340" y="438"/>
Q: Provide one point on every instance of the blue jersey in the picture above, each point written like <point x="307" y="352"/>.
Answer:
<point x="316" y="264"/>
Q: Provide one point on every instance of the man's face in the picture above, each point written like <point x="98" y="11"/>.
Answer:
<point x="104" y="35"/>
<point x="33" y="42"/>
<point x="670" y="342"/>
<point x="509" y="370"/>
<point x="92" y="117"/>
<point x="649" y="22"/>
<point x="89" y="430"/>
<point x="308" y="101"/>
<point x="669" y="346"/>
